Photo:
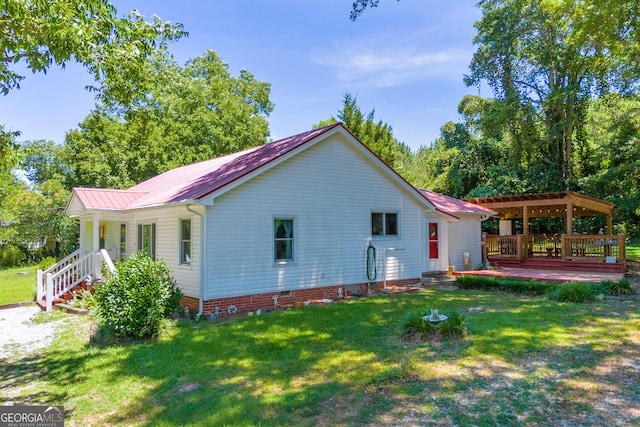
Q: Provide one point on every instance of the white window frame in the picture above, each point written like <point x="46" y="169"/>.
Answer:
<point x="181" y="251"/>
<point x="383" y="233"/>
<point x="275" y="239"/>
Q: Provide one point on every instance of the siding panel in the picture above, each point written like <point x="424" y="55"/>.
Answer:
<point x="329" y="190"/>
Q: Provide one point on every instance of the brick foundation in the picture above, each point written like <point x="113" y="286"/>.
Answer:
<point x="246" y="303"/>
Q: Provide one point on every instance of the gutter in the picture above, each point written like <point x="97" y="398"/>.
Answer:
<point x="203" y="254"/>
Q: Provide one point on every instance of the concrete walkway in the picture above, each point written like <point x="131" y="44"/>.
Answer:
<point x="545" y="275"/>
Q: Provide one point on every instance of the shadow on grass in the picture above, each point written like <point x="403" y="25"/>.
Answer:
<point x="345" y="364"/>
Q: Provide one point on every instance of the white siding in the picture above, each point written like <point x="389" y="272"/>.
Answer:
<point x="167" y="220"/>
<point x="465" y="236"/>
<point x="330" y="191"/>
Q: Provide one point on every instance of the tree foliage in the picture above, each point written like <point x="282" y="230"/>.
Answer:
<point x="378" y="136"/>
<point x="544" y="61"/>
<point x="195" y="112"/>
<point x="41" y="34"/>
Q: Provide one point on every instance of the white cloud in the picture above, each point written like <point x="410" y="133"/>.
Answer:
<point x="387" y="66"/>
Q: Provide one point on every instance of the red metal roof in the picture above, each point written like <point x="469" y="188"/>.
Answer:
<point x="197" y="180"/>
<point x="100" y="198"/>
<point x="453" y="206"/>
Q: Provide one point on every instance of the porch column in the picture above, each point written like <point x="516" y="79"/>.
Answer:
<point x="609" y="224"/>
<point x="96" y="235"/>
<point x="525" y="220"/>
<point x="569" y="219"/>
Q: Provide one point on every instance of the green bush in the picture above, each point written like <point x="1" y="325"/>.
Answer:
<point x="454" y="326"/>
<point x="622" y="287"/>
<point x="134" y="301"/>
<point x="506" y="284"/>
<point x="575" y="292"/>
<point x="46" y="263"/>
<point x="416" y="328"/>
<point x="11" y="256"/>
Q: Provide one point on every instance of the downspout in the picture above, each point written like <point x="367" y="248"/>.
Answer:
<point x="203" y="254"/>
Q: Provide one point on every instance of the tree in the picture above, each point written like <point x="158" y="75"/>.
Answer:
<point x="192" y="113"/>
<point x="378" y="136"/>
<point x="112" y="49"/>
<point x="613" y="137"/>
<point x="359" y="6"/>
<point x="549" y="59"/>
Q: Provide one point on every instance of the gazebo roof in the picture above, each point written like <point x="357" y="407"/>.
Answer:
<point x="545" y="205"/>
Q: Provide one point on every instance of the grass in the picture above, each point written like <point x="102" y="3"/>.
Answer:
<point x="16" y="287"/>
<point x="525" y="361"/>
<point x="633" y="251"/>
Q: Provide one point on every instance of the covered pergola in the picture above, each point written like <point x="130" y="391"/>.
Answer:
<point x="568" y="204"/>
<point x="568" y="247"/>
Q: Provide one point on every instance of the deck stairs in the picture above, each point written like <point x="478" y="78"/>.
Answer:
<point x="77" y="271"/>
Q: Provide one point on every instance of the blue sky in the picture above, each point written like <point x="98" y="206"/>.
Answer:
<point x="406" y="59"/>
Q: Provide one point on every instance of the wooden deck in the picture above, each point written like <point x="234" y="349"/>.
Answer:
<point x="546" y="275"/>
<point x="596" y="253"/>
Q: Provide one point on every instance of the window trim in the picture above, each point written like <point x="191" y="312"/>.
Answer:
<point x="384" y="214"/>
<point x="274" y="239"/>
<point x="182" y="240"/>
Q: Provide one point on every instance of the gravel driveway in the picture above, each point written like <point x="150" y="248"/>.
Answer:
<point x="19" y="336"/>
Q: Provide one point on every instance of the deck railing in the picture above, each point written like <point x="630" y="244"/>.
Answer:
<point x="595" y="247"/>
<point x="579" y="247"/>
<point x="69" y="272"/>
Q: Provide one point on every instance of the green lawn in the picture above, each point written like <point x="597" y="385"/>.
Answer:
<point x="633" y="251"/>
<point x="17" y="287"/>
<point x="527" y="361"/>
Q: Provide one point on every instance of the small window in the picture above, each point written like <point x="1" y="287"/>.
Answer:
<point x="185" y="242"/>
<point x="283" y="239"/>
<point x="384" y="224"/>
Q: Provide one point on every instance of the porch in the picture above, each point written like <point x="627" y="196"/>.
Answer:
<point x="598" y="252"/>
<point x="604" y="251"/>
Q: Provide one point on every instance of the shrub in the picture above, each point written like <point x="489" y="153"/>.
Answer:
<point x="506" y="284"/>
<point x="135" y="300"/>
<point x="622" y="287"/>
<point x="454" y="326"/>
<point x="11" y="256"/>
<point x="46" y="263"/>
<point x="415" y="328"/>
<point x="575" y="292"/>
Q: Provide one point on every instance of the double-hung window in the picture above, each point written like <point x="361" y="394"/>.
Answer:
<point x="384" y="224"/>
<point x="185" y="241"/>
<point x="147" y="239"/>
<point x="283" y="240"/>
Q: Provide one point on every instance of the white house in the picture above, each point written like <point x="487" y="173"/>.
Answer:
<point x="288" y="221"/>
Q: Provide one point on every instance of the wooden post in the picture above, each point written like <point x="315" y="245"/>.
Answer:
<point x="569" y="219"/>
<point x="609" y="224"/>
<point x="525" y="220"/>
<point x="564" y="246"/>
<point x="519" y="246"/>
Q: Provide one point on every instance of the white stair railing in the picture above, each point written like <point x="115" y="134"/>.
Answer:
<point x="69" y="272"/>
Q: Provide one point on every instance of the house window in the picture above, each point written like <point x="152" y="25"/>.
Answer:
<point x="147" y="239"/>
<point x="384" y="224"/>
<point x="185" y="241"/>
<point x="123" y="241"/>
<point x="283" y="239"/>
